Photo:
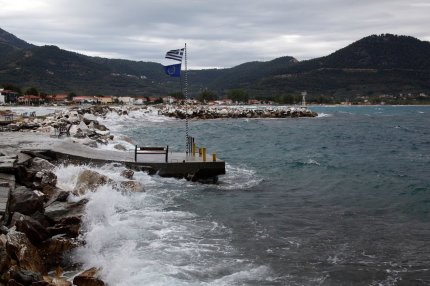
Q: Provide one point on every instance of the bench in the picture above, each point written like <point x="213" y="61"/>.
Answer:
<point x="151" y="151"/>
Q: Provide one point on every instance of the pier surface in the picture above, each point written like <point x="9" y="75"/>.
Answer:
<point x="178" y="164"/>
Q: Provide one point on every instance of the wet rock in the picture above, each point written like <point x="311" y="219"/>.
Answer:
<point x="34" y="230"/>
<point x="39" y="164"/>
<point x="89" y="180"/>
<point x="58" y="211"/>
<point x="12" y="282"/>
<point x="127" y="173"/>
<point x="120" y="147"/>
<point x="88" y="278"/>
<point x="88" y="118"/>
<point x="26" y="277"/>
<point x="53" y="249"/>
<point x="20" y="248"/>
<point x="132" y="186"/>
<point x="69" y="226"/>
<point x="5" y="260"/>
<point x="24" y="201"/>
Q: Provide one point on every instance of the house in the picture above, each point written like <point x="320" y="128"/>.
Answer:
<point x="168" y="99"/>
<point x="126" y="100"/>
<point x="85" y="99"/>
<point x="57" y="98"/>
<point x="254" y="101"/>
<point x="105" y="99"/>
<point x="30" y="100"/>
<point x="139" y="100"/>
<point x="8" y="96"/>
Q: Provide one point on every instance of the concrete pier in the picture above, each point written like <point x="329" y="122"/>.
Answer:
<point x="178" y="165"/>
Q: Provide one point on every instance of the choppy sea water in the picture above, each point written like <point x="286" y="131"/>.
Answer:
<point x="342" y="199"/>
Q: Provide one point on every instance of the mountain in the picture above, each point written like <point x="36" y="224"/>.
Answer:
<point x="374" y="65"/>
<point x="9" y="39"/>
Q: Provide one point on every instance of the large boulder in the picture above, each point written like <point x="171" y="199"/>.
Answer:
<point x="88" y="118"/>
<point x="5" y="260"/>
<point x="26" y="277"/>
<point x="89" y="277"/>
<point x="127" y="173"/>
<point x="53" y="249"/>
<point x="89" y="180"/>
<point x="24" y="201"/>
<point x="57" y="211"/>
<point x="34" y="230"/>
<point x="39" y="164"/>
<point x="20" y="248"/>
<point x="131" y="186"/>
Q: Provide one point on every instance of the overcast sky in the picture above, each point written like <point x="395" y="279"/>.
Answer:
<point x="218" y="33"/>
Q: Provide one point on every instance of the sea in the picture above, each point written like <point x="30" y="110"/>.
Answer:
<point x="339" y="199"/>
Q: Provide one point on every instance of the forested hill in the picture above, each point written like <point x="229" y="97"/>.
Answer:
<point x="371" y="66"/>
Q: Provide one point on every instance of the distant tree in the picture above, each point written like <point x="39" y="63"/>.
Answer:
<point x="70" y="96"/>
<point x="206" y="96"/>
<point x="177" y="95"/>
<point x="32" y="91"/>
<point x="8" y="86"/>
<point x="238" y="95"/>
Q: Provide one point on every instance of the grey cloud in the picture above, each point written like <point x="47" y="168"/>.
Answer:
<point x="220" y="33"/>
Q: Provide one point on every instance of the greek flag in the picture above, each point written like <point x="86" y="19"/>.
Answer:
<point x="173" y="70"/>
<point x="175" y="54"/>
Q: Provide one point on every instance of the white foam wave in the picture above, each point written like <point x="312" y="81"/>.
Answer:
<point x="147" y="239"/>
<point x="238" y="178"/>
<point x="324" y="115"/>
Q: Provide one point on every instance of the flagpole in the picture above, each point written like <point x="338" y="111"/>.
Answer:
<point x="186" y="104"/>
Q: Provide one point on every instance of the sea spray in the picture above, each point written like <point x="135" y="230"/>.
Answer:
<point x="147" y="239"/>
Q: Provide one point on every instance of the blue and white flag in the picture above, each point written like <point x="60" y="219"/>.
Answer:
<point x="173" y="70"/>
<point x="175" y="54"/>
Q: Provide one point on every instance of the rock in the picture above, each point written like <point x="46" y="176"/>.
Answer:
<point x="5" y="260"/>
<point x="69" y="226"/>
<point x="88" y="278"/>
<point x="39" y="164"/>
<point x="128" y="174"/>
<point x="57" y="211"/>
<point x="89" y="180"/>
<point x="12" y="282"/>
<point x="132" y="186"/>
<point x="35" y="231"/>
<point x="25" y="201"/>
<point x="100" y="127"/>
<point x="120" y="147"/>
<point x="26" y="277"/>
<point x="20" y="248"/>
<point x="88" y="118"/>
<point x="53" y="249"/>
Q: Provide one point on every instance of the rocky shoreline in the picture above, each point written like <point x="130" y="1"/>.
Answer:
<point x="40" y="223"/>
<point x="214" y="112"/>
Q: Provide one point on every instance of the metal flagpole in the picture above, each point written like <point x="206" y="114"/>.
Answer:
<point x="186" y="104"/>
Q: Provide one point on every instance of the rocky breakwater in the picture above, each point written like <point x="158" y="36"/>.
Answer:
<point x="40" y="223"/>
<point x="80" y="124"/>
<point x="212" y="112"/>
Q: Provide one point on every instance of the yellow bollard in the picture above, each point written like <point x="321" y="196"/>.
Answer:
<point x="204" y="154"/>
<point x="214" y="156"/>
<point x="193" y="149"/>
<point x="200" y="151"/>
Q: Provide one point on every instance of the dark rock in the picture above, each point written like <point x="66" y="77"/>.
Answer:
<point x="88" y="278"/>
<point x="35" y="231"/>
<point x="26" y="277"/>
<point x="120" y="147"/>
<point x="21" y="249"/>
<point x="39" y="164"/>
<point x="25" y="201"/>
<point x="5" y="260"/>
<point x="57" y="211"/>
<point x="128" y="174"/>
<point x="69" y="226"/>
<point x="12" y="282"/>
<point x="53" y="249"/>
<point x="132" y="186"/>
